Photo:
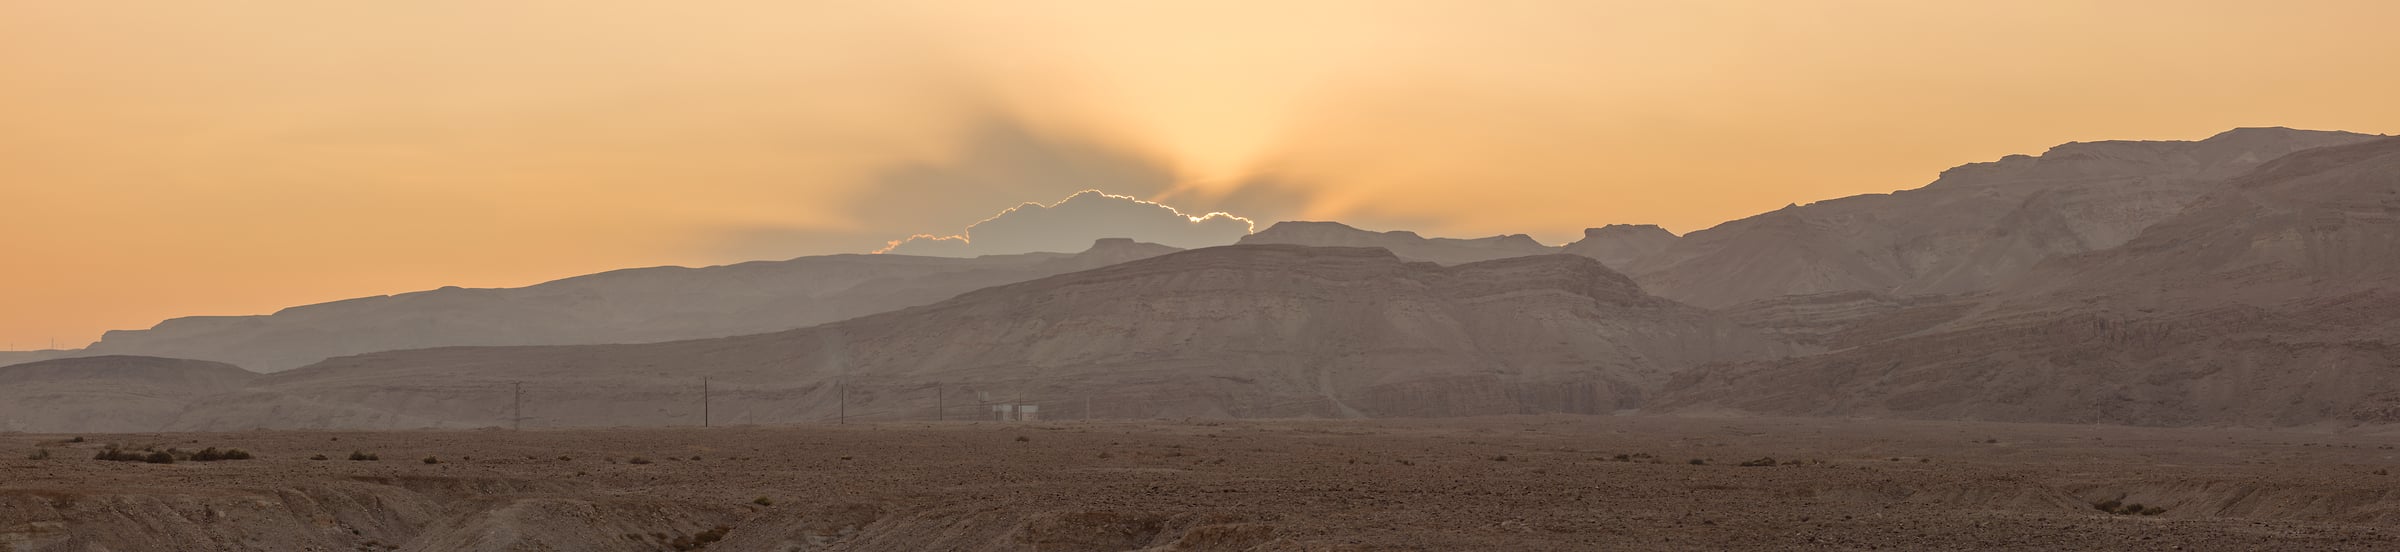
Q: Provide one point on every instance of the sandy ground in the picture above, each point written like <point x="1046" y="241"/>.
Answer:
<point x="1517" y="483"/>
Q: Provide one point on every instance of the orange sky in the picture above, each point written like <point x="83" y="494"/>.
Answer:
<point x="161" y="159"/>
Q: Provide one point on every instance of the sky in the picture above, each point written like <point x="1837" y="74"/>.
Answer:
<point x="162" y="159"/>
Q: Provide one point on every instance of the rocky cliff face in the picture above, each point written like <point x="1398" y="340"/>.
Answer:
<point x="624" y="306"/>
<point x="1406" y="244"/>
<point x="2268" y="302"/>
<point x="1245" y="331"/>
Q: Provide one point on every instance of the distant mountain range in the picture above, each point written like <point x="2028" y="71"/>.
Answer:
<point x="1240" y="331"/>
<point x="2242" y="279"/>
<point x="1978" y="226"/>
<point x="625" y="306"/>
<point x="2272" y="300"/>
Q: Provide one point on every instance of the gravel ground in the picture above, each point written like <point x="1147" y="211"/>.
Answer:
<point x="1512" y="483"/>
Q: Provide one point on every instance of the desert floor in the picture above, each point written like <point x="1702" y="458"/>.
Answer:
<point x="1513" y="483"/>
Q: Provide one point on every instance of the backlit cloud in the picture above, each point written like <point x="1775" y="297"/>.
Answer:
<point x="1073" y="223"/>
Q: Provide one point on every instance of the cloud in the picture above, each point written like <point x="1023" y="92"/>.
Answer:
<point x="1073" y="223"/>
<point x="999" y="162"/>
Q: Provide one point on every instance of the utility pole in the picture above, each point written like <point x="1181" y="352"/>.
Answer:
<point x="703" y="401"/>
<point x="516" y="399"/>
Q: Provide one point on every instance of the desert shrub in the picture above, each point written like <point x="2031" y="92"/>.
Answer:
<point x="763" y="501"/>
<point x="1105" y="455"/>
<point x="211" y="454"/>
<point x="1698" y="462"/>
<point x="119" y="454"/>
<point x="1021" y="438"/>
<point x="638" y="460"/>
<point x="566" y="459"/>
<point x="1762" y="462"/>
<point x="364" y="456"/>
<point x="2109" y="506"/>
<point x="77" y="439"/>
<point x="318" y="457"/>
<point x="1500" y="458"/>
<point x="1623" y="458"/>
<point x="38" y="454"/>
<point x="432" y="460"/>
<point x="2153" y="510"/>
<point x="2130" y="509"/>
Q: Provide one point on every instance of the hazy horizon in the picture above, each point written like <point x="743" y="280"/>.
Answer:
<point x="178" y="160"/>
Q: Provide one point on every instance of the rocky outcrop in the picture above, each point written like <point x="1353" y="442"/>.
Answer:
<point x="1620" y="245"/>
